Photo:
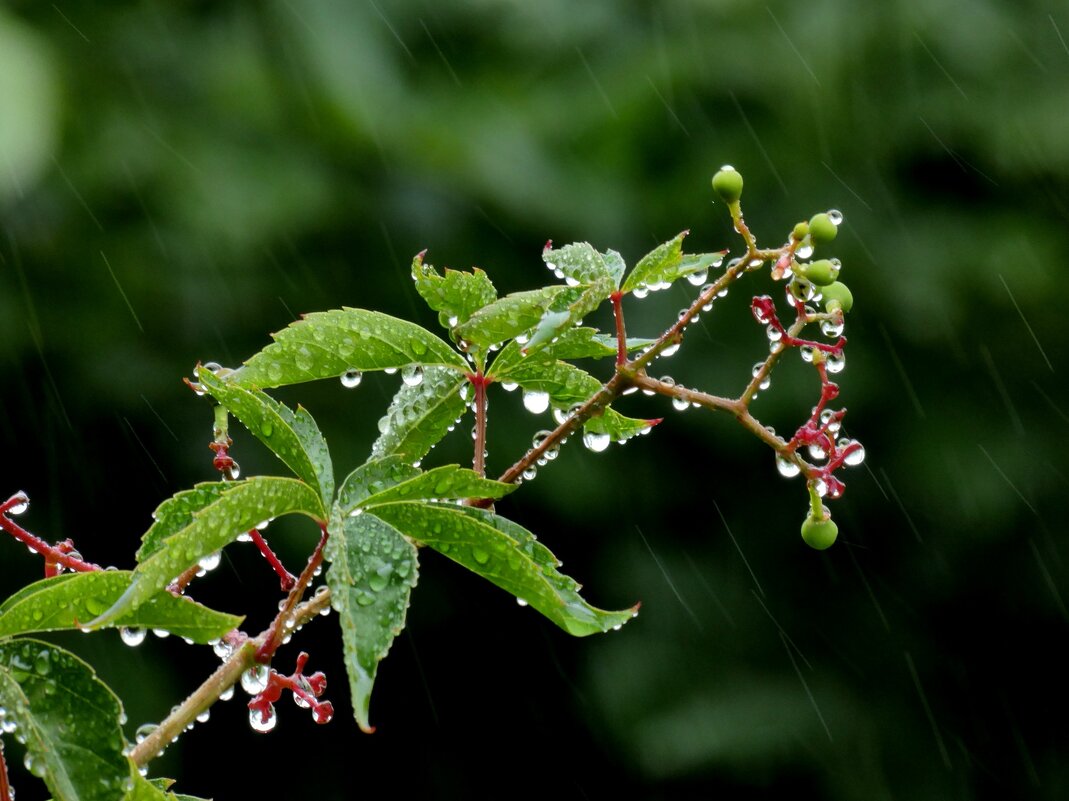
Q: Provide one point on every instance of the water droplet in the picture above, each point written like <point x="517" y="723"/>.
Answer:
<point x="640" y="291"/>
<point x="596" y="442"/>
<point x="261" y="722"/>
<point x="254" y="680"/>
<point x="521" y="602"/>
<point x="303" y="358"/>
<point x="773" y="333"/>
<point x="670" y="350"/>
<point x="132" y="637"/>
<point x="222" y="649"/>
<point x="37" y="767"/>
<point x="835" y="216"/>
<point x="535" y="402"/>
<point x="832" y="328"/>
<point x="233" y="472"/>
<point x="163" y="634"/>
<point x="804" y="251"/>
<point x="21" y="504"/>
<point x="389" y="370"/>
<point x="211" y="561"/>
<point x="856" y="456"/>
<point x="43" y="663"/>
<point x="143" y="731"/>
<point x="787" y="468"/>
<point x="697" y="279"/>
<point x="508" y="386"/>
<point x="806" y="352"/>
<point x="351" y="378"/>
<point x="816" y="452"/>
<point x="835" y="362"/>
<point x="203" y="716"/>
<point x="820" y="487"/>
<point x="799" y="289"/>
<point x="680" y="404"/>
<point x="227" y="694"/>
<point x="481" y="555"/>
<point x="412" y="375"/>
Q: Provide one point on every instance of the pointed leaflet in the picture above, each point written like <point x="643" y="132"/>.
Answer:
<point x="372" y="571"/>
<point x="505" y="554"/>
<point x="293" y="437"/>
<point x="449" y="482"/>
<point x="584" y="265"/>
<point x="372" y="477"/>
<point x="666" y="264"/>
<point x="568" y="385"/>
<point x="154" y="790"/>
<point x="568" y="309"/>
<point x="67" y="601"/>
<point x="508" y="317"/>
<point x="420" y="416"/>
<point x="175" y="513"/>
<point x="68" y="718"/>
<point x="575" y="343"/>
<point x="455" y="295"/>
<point x="217" y="524"/>
<point x="328" y="344"/>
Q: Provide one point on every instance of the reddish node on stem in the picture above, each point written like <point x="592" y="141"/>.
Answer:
<point x="306" y="691"/>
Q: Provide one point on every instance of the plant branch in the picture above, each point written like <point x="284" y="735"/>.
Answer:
<point x="284" y="622"/>
<point x="52" y="554"/>
<point x="286" y="579"/>
<point x="621" y="332"/>
<point x="5" y="785"/>
<point x="479" y="382"/>
<point x="225" y="677"/>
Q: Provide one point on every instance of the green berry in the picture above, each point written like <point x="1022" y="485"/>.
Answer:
<point x="819" y="534"/>
<point x="821" y="273"/>
<point x="800" y="231"/>
<point x="837" y="296"/>
<point x="821" y="229"/>
<point x="728" y="184"/>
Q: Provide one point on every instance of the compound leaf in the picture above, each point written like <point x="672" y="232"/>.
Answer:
<point x="419" y="416"/>
<point x="449" y="482"/>
<point x="68" y="718"/>
<point x="236" y="511"/>
<point x="329" y="344"/>
<point x="292" y="436"/>
<point x="583" y="264"/>
<point x="68" y="600"/>
<point x="575" y="343"/>
<point x="505" y="554"/>
<point x="372" y="571"/>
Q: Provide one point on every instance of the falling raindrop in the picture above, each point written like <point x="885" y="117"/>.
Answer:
<point x="132" y="637"/>
<point x="351" y="378"/>
<point x="535" y="402"/>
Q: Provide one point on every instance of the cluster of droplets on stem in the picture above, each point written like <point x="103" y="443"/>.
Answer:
<point x="266" y="685"/>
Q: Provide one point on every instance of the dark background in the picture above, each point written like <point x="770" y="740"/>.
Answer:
<point x="179" y="179"/>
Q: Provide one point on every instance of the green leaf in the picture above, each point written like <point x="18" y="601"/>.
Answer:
<point x="575" y="343"/>
<point x="568" y="309"/>
<point x="420" y="416"/>
<point x="372" y="571"/>
<point x="293" y="437"/>
<point x="217" y="524"/>
<point x="370" y="478"/>
<point x="175" y="513"/>
<point x="449" y="482"/>
<point x="565" y="383"/>
<point x="455" y="295"/>
<point x="617" y="426"/>
<point x="67" y="601"/>
<point x="68" y="718"/>
<point x="328" y="344"/>
<point x="508" y="317"/>
<point x="666" y="264"/>
<point x="154" y="790"/>
<point x="582" y="263"/>
<point x="505" y="554"/>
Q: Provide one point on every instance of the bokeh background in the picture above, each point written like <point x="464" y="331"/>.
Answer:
<point x="179" y="179"/>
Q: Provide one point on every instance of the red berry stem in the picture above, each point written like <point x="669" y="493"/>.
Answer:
<point x="479" y="383"/>
<point x="307" y="688"/>
<point x="55" y="555"/>
<point x="286" y="579"/>
<point x="5" y="785"/>
<point x="278" y="629"/>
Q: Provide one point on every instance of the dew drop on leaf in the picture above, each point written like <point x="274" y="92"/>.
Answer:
<point x="596" y="442"/>
<point x="351" y="379"/>
<point x="132" y="637"/>
<point x="535" y="402"/>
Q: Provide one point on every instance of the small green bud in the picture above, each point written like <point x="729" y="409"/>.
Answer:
<point x="728" y="184"/>
<point x="821" y="229"/>
<point x="837" y="296"/>
<point x="819" y="534"/>
<point x="821" y="273"/>
<point x="800" y="231"/>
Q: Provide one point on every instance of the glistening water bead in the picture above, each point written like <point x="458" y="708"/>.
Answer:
<point x="261" y="723"/>
<point x="132" y="637"/>
<point x="535" y="402"/>
<point x="786" y="467"/>
<point x="351" y="379"/>
<point x="412" y="375"/>
<point x="22" y="503"/>
<point x="596" y="442"/>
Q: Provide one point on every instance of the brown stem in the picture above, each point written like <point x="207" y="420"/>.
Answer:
<point x="621" y="333"/>
<point x="227" y="675"/>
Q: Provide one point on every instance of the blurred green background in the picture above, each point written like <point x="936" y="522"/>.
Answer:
<point x="179" y="179"/>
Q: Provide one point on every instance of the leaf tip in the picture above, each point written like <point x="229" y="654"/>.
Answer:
<point x="654" y="421"/>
